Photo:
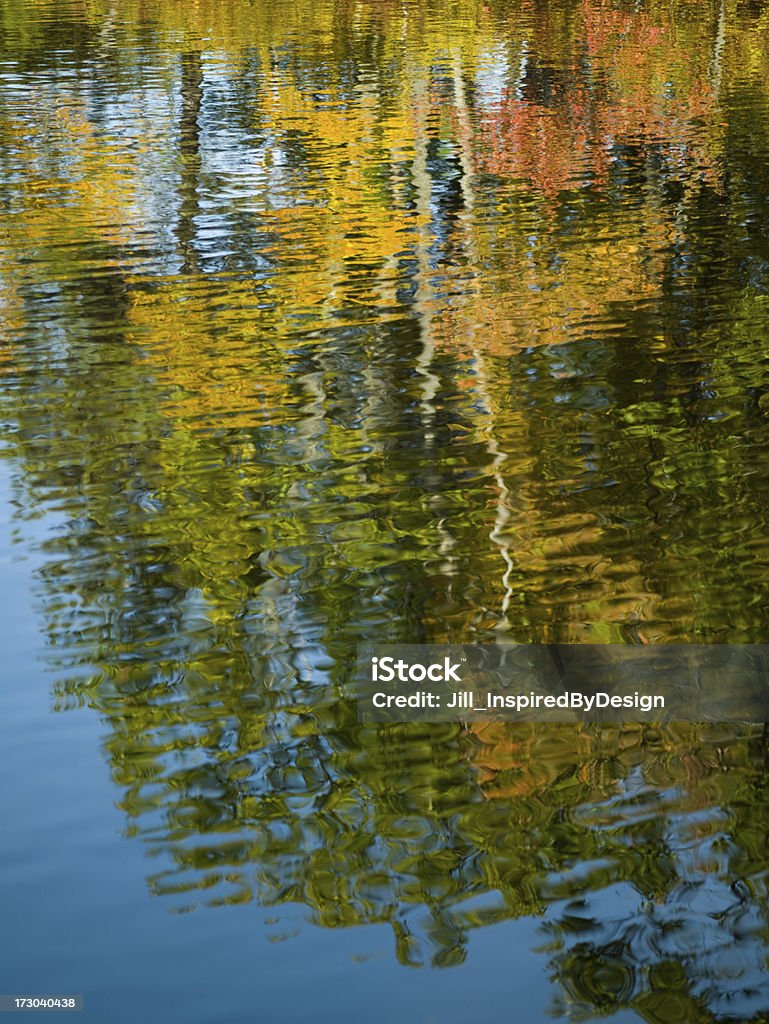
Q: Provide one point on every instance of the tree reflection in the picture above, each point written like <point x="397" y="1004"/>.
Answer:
<point x="444" y="328"/>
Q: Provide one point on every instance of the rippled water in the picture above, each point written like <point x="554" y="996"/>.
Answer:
<point x="339" y="322"/>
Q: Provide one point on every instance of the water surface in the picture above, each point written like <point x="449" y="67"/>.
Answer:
<point x="349" y="322"/>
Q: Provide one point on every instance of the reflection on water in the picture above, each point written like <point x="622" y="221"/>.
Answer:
<point x="416" y="322"/>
